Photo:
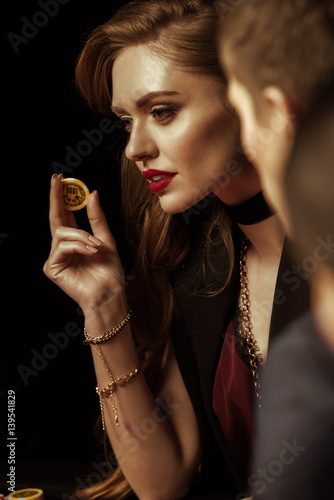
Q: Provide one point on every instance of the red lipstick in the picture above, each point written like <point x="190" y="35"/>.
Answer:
<point x="159" y="179"/>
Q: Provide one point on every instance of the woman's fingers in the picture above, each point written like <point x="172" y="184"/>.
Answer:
<point x="61" y="258"/>
<point x="66" y="243"/>
<point x="66" y="248"/>
<point x="82" y="263"/>
<point x="97" y="219"/>
<point x="64" y="233"/>
<point x="59" y="216"/>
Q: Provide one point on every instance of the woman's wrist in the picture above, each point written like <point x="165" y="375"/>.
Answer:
<point x="109" y="334"/>
<point x="106" y="316"/>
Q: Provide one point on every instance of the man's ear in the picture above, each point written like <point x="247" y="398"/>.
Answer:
<point x="282" y="108"/>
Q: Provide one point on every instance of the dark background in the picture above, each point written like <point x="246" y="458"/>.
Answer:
<point x="56" y="405"/>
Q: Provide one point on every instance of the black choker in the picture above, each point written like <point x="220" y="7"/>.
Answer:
<point x="251" y="211"/>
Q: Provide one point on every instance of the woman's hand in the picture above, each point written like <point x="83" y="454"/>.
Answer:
<point x="86" y="266"/>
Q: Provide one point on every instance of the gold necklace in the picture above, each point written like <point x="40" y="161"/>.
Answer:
<point x="252" y="348"/>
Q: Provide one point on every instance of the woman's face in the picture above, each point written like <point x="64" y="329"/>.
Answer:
<point x="180" y="135"/>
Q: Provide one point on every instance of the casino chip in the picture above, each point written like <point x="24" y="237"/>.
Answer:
<point x="27" y="494"/>
<point x="75" y="193"/>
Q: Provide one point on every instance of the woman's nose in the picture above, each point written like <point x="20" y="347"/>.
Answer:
<point x="141" y="144"/>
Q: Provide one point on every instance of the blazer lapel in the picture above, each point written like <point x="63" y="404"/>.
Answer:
<point x="292" y="295"/>
<point x="206" y="319"/>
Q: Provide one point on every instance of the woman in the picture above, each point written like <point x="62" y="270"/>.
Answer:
<point x="155" y="66"/>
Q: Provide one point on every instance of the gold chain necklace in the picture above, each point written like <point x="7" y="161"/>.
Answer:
<point x="252" y="348"/>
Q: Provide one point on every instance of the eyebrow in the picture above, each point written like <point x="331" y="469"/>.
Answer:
<point x="146" y="98"/>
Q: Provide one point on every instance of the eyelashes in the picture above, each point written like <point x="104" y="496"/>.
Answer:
<point x="118" y="123"/>
<point x="123" y="124"/>
<point x="162" y="115"/>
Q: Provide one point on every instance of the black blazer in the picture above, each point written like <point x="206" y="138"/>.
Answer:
<point x="198" y="335"/>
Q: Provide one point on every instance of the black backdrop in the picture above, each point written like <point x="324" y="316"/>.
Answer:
<point x="42" y="356"/>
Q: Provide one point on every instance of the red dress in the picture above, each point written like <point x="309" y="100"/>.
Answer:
<point x="233" y="401"/>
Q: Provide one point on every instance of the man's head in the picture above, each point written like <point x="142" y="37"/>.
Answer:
<point x="309" y="187"/>
<point x="277" y="54"/>
<point x="309" y="182"/>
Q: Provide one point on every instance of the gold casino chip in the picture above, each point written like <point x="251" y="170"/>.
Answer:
<point x="75" y="193"/>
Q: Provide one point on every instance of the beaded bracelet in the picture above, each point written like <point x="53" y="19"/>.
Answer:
<point x="109" y="334"/>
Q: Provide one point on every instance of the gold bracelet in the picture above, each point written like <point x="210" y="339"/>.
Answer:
<point x="112" y="396"/>
<point x="109" y="391"/>
<point x="109" y="334"/>
<point x="117" y="381"/>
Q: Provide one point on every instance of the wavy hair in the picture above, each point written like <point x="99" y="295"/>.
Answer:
<point x="182" y="31"/>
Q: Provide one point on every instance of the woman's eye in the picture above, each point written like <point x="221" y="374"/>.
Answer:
<point x="163" y="114"/>
<point x="123" y="123"/>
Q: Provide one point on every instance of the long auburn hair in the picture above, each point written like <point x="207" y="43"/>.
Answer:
<point x="183" y="31"/>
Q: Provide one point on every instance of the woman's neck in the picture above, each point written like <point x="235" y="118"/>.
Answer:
<point x="239" y="185"/>
<point x="267" y="237"/>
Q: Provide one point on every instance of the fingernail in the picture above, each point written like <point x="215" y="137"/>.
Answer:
<point x="96" y="194"/>
<point x="54" y="177"/>
<point x="94" y="240"/>
<point x="92" y="249"/>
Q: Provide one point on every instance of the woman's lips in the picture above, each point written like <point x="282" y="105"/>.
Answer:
<point x="159" y="179"/>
